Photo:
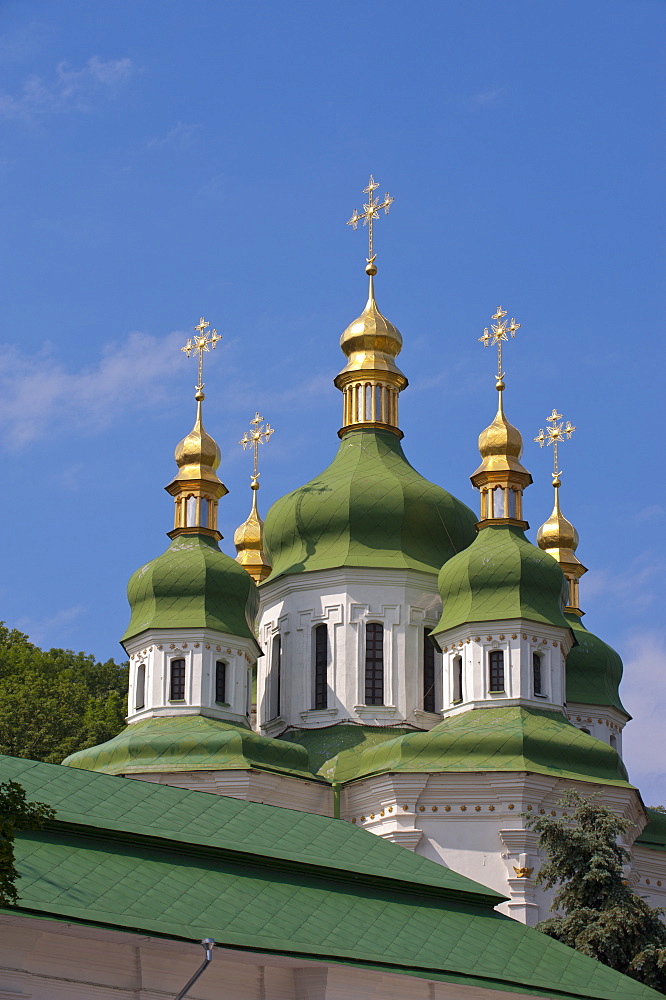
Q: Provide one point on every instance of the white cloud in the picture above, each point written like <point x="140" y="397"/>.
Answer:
<point x="68" y="89"/>
<point x="644" y="695"/>
<point x="180" y="136"/>
<point x="487" y="98"/>
<point x="131" y="376"/>
<point x="40" y="630"/>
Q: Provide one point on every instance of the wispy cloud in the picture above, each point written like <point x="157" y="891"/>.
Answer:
<point x="180" y="136"/>
<point x="131" y="375"/>
<point x="67" y="89"/>
<point x="644" y="695"/>
<point x="42" y="631"/>
<point x="634" y="589"/>
<point x="487" y="98"/>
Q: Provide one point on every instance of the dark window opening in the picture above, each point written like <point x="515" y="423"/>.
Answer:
<point x="457" y="679"/>
<point x="277" y="676"/>
<point x="536" y="674"/>
<point x="140" y="696"/>
<point x="220" y="681"/>
<point x="177" y="686"/>
<point x="321" y="667"/>
<point x="428" y="673"/>
<point x="374" y="664"/>
<point x="496" y="661"/>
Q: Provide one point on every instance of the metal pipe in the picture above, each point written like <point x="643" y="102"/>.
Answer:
<point x="208" y="944"/>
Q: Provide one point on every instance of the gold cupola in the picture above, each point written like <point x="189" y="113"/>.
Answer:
<point x="371" y="381"/>
<point x="249" y="536"/>
<point x="557" y="536"/>
<point x="501" y="478"/>
<point x="196" y="487"/>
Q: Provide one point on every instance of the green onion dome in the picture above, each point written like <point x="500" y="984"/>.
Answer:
<point x="501" y="575"/>
<point x="594" y="670"/>
<point x="192" y="585"/>
<point x="488" y="739"/>
<point x="369" y="508"/>
<point x="192" y="743"/>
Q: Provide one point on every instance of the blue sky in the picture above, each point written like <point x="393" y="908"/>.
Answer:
<point x="164" y="161"/>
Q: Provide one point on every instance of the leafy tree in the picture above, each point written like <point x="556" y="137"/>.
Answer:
<point x="16" y="813"/>
<point x="602" y="916"/>
<point x="55" y="702"/>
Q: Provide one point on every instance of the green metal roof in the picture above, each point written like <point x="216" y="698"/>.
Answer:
<point x="594" y="670"/>
<point x="489" y="739"/>
<point x="191" y="585"/>
<point x="192" y="743"/>
<point x="654" y="834"/>
<point x="182" y="864"/>
<point x="501" y="575"/>
<point x="324" y="743"/>
<point x="368" y="508"/>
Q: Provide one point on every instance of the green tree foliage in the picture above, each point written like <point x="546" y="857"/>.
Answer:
<point x="54" y="702"/>
<point x="601" y="915"/>
<point x="16" y="813"/>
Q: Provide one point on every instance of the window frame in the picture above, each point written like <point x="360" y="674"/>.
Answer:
<point x="320" y="668"/>
<point x="373" y="673"/>
<point x="496" y="668"/>
<point x="429" y="664"/>
<point x="177" y="660"/>
<point x="225" y="667"/>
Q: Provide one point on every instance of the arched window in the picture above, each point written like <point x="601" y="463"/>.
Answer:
<point x="374" y="664"/>
<point x="428" y="672"/>
<point x="457" y="679"/>
<point x="584" y="730"/>
<point x="140" y="690"/>
<point x="276" y="670"/>
<point x="537" y="679"/>
<point x="496" y="671"/>
<point x="320" y="667"/>
<point x="613" y="741"/>
<point x="177" y="681"/>
<point x="221" y="681"/>
<point x="191" y="508"/>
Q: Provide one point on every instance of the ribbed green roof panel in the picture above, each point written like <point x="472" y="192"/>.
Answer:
<point x="193" y="584"/>
<point x="654" y="834"/>
<point x="369" y="508"/>
<point x="192" y="743"/>
<point x="594" y="670"/>
<point x="489" y="739"/>
<point x="501" y="575"/>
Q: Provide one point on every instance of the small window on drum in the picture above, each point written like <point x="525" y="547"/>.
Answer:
<point x="221" y="682"/>
<point x="457" y="679"/>
<point x="496" y="671"/>
<point x="374" y="663"/>
<point x="276" y="679"/>
<point x="140" y="690"/>
<point x="428" y="672"/>
<point x="613" y="741"/>
<point x="320" y="700"/>
<point x="177" y="681"/>
<point x="537" y="675"/>
<point x="584" y="730"/>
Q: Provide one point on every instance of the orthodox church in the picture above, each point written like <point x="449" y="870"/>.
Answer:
<point x="379" y="659"/>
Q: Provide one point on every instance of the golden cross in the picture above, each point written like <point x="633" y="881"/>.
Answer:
<point x="259" y="433"/>
<point x="371" y="212"/>
<point x="499" y="333"/>
<point x="554" y="435"/>
<point x="202" y="342"/>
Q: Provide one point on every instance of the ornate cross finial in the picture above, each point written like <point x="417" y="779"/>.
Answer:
<point x="259" y="433"/>
<point x="371" y="212"/>
<point x="555" y="434"/>
<point x="202" y="342"/>
<point x="499" y="333"/>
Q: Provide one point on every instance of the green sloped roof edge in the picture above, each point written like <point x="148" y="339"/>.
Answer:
<point x="654" y="834"/>
<point x="94" y="865"/>
<point x="326" y="742"/>
<point x="501" y="575"/>
<point x="192" y="743"/>
<point x="369" y="508"/>
<point x="489" y="739"/>
<point x="193" y="585"/>
<point x="593" y="670"/>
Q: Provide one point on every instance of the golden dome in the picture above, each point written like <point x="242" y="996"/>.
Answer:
<point x="249" y="542"/>
<point x="501" y="444"/>
<point x="371" y="342"/>
<point x="557" y="532"/>
<point x="197" y="456"/>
